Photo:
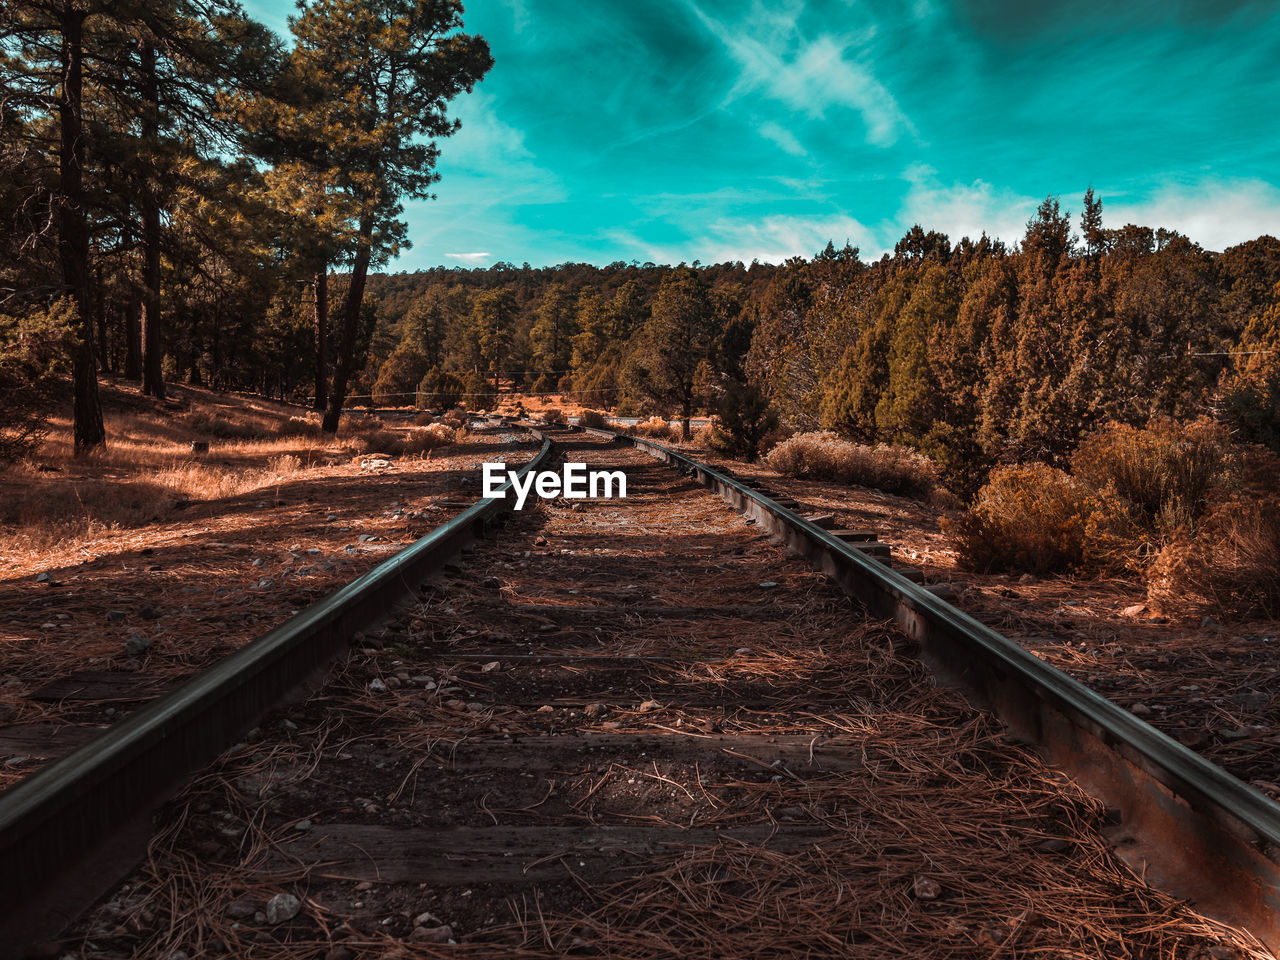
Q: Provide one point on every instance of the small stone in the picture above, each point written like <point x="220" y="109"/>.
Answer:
<point x="547" y="628"/>
<point x="491" y="666"/>
<point x="136" y="645"/>
<point x="455" y="704"/>
<point x="331" y="517"/>
<point x="302" y="826"/>
<point x="1053" y="845"/>
<point x="595" y="709"/>
<point x="476" y="707"/>
<point x="282" y="907"/>
<point x="43" y="578"/>
<point x="649" y="706"/>
<point x="149" y="613"/>
<point x="288" y="725"/>
<point x="393" y="683"/>
<point x="943" y="591"/>
<point x="364" y="885"/>
<point x="367" y="538"/>
<point x="339" y="953"/>
<point x="377" y="686"/>
<point x="1136" y="610"/>
<point x="926" y="888"/>
<point x="1026" y="578"/>
<point x="546" y="708"/>
<point x="48" y="626"/>
<point x="492" y="583"/>
<point x="1140" y="710"/>
<point x="115" y="616"/>
<point x="240" y="910"/>
<point x="442" y="934"/>
<point x="257" y="562"/>
<point x="768" y="584"/>
<point x="427" y="919"/>
<point x="1208" y="623"/>
<point x="314" y="551"/>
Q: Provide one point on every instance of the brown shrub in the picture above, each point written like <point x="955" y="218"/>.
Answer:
<point x="656" y="428"/>
<point x="553" y="415"/>
<point x="1229" y="566"/>
<point x="456" y="418"/>
<point x="1167" y="470"/>
<point x="593" y="418"/>
<point x="824" y="456"/>
<point x="1039" y="519"/>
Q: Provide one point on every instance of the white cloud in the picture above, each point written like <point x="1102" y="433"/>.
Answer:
<point x="1214" y="213"/>
<point x="469" y="257"/>
<point x="783" y="138"/>
<point x="960" y="209"/>
<point x="774" y="239"/>
<point x="807" y="74"/>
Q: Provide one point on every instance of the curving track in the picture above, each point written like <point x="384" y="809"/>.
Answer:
<point x="636" y="728"/>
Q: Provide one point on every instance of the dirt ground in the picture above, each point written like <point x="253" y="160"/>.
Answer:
<point x="635" y="729"/>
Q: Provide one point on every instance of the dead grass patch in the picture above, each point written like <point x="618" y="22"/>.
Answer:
<point x="825" y="456"/>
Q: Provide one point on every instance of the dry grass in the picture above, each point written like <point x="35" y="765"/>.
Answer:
<point x="824" y="456"/>
<point x="656" y="428"/>
<point x="593" y="418"/>
<point x="148" y="467"/>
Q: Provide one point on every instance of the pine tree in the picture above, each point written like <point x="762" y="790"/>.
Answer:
<point x="389" y="69"/>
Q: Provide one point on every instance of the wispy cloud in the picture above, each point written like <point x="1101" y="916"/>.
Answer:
<point x="469" y="257"/>
<point x="774" y="239"/>
<point x="783" y="138"/>
<point x="807" y="74"/>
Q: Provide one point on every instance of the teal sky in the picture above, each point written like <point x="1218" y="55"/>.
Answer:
<point x="713" y="130"/>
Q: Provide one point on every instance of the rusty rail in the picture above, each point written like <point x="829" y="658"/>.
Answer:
<point x="1192" y="828"/>
<point x="71" y="830"/>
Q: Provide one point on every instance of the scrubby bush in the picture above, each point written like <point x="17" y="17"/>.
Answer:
<point x="553" y="415"/>
<point x="457" y="418"/>
<point x="431" y="437"/>
<point x="656" y="428"/>
<point x="1167" y="470"/>
<point x="593" y="418"/>
<point x="35" y="350"/>
<point x="1039" y="519"/>
<point x="822" y="455"/>
<point x="1230" y="565"/>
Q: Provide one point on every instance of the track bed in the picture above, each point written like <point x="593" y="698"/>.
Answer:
<point x="636" y="728"/>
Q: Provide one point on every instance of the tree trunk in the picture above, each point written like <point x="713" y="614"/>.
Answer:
<point x="73" y="231"/>
<point x="350" y="327"/>
<point x="322" y="338"/>
<point x="132" y="341"/>
<point x="686" y="411"/>
<point x="152" y="369"/>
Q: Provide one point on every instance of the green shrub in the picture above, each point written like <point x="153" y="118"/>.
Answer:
<point x="745" y="417"/>
<point x="1039" y="519"/>
<point x="439" y="389"/>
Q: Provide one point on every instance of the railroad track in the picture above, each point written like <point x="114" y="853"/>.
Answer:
<point x="635" y="728"/>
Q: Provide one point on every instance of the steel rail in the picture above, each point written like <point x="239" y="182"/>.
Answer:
<point x="1190" y="827"/>
<point x="74" y="828"/>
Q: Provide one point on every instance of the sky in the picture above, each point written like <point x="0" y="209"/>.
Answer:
<point x="718" y="130"/>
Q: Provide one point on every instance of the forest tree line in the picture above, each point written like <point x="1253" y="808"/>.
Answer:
<point x="176" y="182"/>
<point x="975" y="353"/>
